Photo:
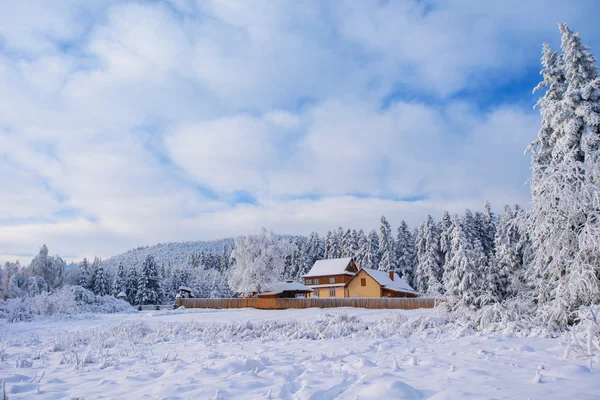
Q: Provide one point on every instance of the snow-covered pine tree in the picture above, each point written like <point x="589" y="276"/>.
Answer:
<point x="405" y="253"/>
<point x="447" y="270"/>
<point x="363" y="248"/>
<point x="428" y="274"/>
<point x="347" y="243"/>
<point x="314" y="249"/>
<point x="387" y="247"/>
<point x="99" y="278"/>
<point x="327" y="249"/>
<point x="354" y="248"/>
<point x="508" y="260"/>
<point x="565" y="210"/>
<point x="132" y="285"/>
<point x="84" y="274"/>
<point x="464" y="279"/>
<point x="445" y="238"/>
<point x="149" y="285"/>
<point x="258" y="262"/>
<point x="488" y="230"/>
<point x="336" y="243"/>
<point x="299" y="259"/>
<point x="120" y="281"/>
<point x="371" y="257"/>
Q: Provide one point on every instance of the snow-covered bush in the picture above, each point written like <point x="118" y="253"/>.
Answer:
<point x="64" y="301"/>
<point x="584" y="337"/>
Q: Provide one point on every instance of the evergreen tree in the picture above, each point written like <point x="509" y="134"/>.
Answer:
<point x="465" y="280"/>
<point x="363" y="249"/>
<point x="84" y="275"/>
<point x="335" y="250"/>
<point x="132" y="286"/>
<point x="565" y="210"/>
<point x="327" y="251"/>
<point x="405" y="253"/>
<point x="371" y="257"/>
<point x="99" y="278"/>
<point x="347" y="244"/>
<point x="120" y="281"/>
<point x="487" y="231"/>
<point x="446" y="227"/>
<point x="429" y="272"/>
<point x="508" y="259"/>
<point x="149" y="285"/>
<point x="354" y="246"/>
<point x="314" y="249"/>
<point x="387" y="247"/>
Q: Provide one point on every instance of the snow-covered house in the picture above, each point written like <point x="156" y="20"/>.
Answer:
<point x="373" y="283"/>
<point x="286" y="290"/>
<point x="328" y="278"/>
<point x="341" y="277"/>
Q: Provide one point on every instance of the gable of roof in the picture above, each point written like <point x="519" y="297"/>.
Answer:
<point x="280" y="287"/>
<point x="334" y="266"/>
<point x="383" y="279"/>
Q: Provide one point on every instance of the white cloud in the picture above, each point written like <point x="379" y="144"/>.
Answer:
<point x="116" y="116"/>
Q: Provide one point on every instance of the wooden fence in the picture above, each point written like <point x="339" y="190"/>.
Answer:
<point x="281" y="304"/>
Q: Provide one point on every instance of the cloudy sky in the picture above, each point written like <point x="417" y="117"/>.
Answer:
<point x="126" y="123"/>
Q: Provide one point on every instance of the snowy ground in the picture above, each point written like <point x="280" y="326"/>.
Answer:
<point x="192" y="355"/>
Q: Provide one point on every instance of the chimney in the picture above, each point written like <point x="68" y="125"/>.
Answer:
<point x="391" y="275"/>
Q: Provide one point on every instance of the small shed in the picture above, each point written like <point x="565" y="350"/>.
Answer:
<point x="185" y="292"/>
<point x="122" y="295"/>
<point x="286" y="290"/>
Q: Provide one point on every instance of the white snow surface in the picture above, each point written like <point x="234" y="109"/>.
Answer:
<point x="383" y="278"/>
<point x="280" y="354"/>
<point x="333" y="266"/>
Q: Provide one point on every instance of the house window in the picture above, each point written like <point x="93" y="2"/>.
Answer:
<point x="363" y="281"/>
<point x="308" y="281"/>
<point x="316" y="281"/>
<point x="331" y="280"/>
<point x="331" y="292"/>
<point x="316" y="293"/>
<point x="300" y="295"/>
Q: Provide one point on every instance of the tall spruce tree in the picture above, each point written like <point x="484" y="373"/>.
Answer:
<point x="120" y="281"/>
<point x="405" y="253"/>
<point x="149" y="286"/>
<point x="387" y="247"/>
<point x="565" y="209"/>
<point x="371" y="257"/>
<point x="428" y="274"/>
<point x="99" y="278"/>
<point x="84" y="274"/>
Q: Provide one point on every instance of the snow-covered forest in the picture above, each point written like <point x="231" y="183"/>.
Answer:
<point x="535" y="264"/>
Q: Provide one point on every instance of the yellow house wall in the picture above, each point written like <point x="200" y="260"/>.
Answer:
<point x="372" y="290"/>
<point x="324" y="292"/>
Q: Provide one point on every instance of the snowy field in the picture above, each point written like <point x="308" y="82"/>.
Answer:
<point x="291" y="354"/>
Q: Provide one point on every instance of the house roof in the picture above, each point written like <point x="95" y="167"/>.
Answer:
<point x="289" y="286"/>
<point x="334" y="266"/>
<point x="383" y="278"/>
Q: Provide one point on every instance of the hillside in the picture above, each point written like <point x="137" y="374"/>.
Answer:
<point x="173" y="254"/>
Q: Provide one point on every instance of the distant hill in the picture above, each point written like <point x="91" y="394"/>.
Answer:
<point x="167" y="253"/>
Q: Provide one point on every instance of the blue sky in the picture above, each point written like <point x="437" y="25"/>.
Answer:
<point x="126" y="123"/>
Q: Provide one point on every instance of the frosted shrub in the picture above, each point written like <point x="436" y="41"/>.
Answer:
<point x="64" y="301"/>
<point x="583" y="340"/>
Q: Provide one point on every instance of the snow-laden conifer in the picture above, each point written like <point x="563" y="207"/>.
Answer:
<point x="387" y="247"/>
<point x="428" y="274"/>
<point x="405" y="253"/>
